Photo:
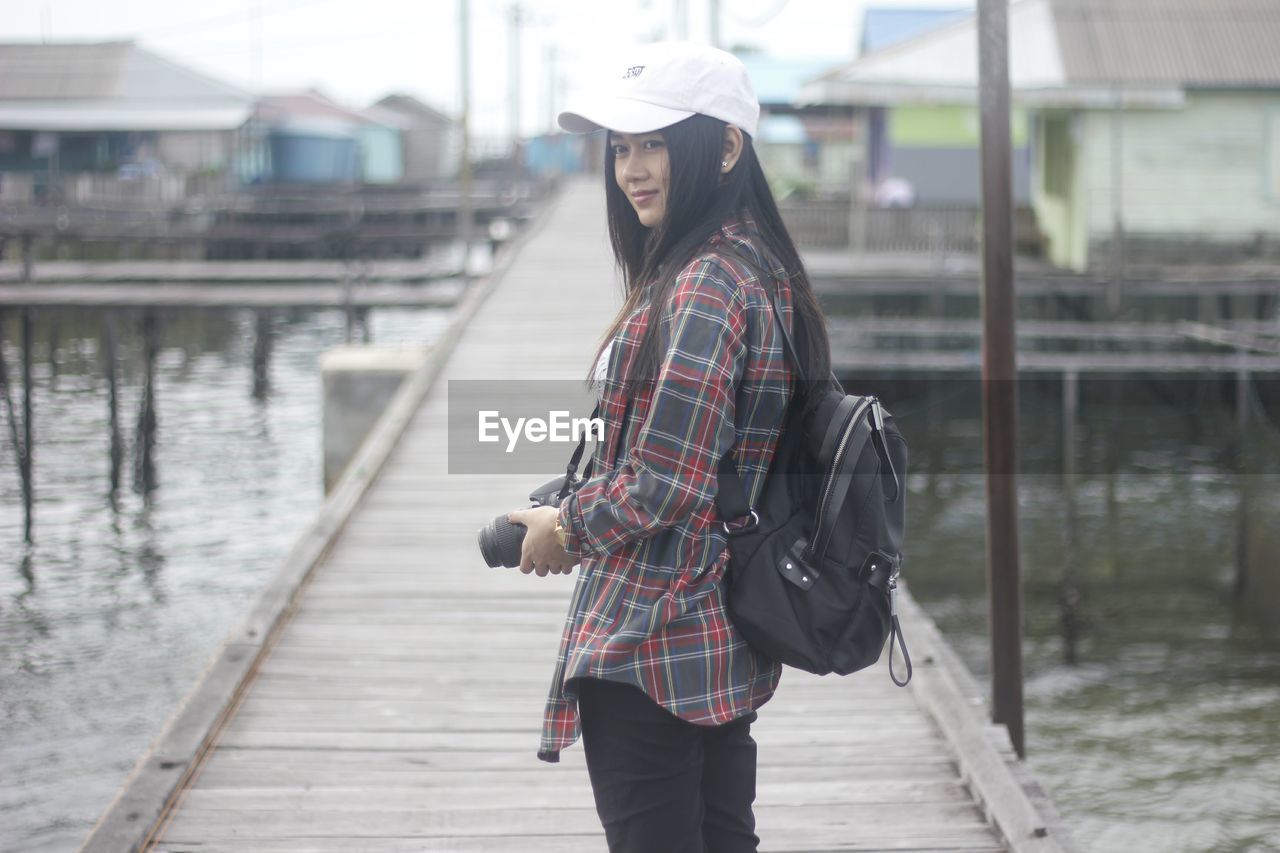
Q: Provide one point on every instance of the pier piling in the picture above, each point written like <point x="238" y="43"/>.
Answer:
<point x="144" y="469"/>
<point x="113" y="402"/>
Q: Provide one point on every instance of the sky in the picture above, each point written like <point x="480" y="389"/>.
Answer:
<point x="356" y="52"/>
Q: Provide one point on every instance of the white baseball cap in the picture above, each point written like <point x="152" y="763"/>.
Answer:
<point x="665" y="82"/>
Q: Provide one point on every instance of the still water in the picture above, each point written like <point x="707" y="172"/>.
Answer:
<point x="1164" y="735"/>
<point x="109" y="619"/>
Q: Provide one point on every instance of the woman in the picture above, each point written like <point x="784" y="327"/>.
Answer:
<point x="651" y="671"/>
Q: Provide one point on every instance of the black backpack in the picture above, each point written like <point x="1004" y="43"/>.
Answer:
<point x="813" y="568"/>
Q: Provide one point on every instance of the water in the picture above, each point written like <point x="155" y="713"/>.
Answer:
<point x="1165" y="733"/>
<point x="108" y="621"/>
<point x="1164" y="736"/>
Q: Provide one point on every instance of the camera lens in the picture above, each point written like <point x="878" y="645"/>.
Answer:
<point x="500" y="542"/>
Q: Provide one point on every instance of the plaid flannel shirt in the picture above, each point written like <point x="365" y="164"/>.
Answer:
<point x="648" y="608"/>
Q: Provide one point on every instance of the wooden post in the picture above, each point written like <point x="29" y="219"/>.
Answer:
<point x="19" y="438"/>
<point x="28" y="444"/>
<point x="999" y="372"/>
<point x="1115" y="405"/>
<point x="144" y="470"/>
<point x="348" y="296"/>
<point x="1069" y="593"/>
<point x="1242" y="479"/>
<point x="28" y="258"/>
<point x="51" y="332"/>
<point x="113" y="401"/>
<point x="262" y="354"/>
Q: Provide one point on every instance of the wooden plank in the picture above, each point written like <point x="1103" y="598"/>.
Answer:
<point x="867" y="821"/>
<point x="868" y="360"/>
<point x="800" y="841"/>
<point x="491" y="844"/>
<point x="262" y="704"/>
<point x="240" y="735"/>
<point x="531" y="791"/>
<point x="834" y="727"/>
<point x="126" y="294"/>
<point x="773" y="783"/>
<point x="164" y="273"/>
<point x="546" y="844"/>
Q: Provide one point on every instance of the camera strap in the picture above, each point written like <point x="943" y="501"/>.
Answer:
<point x="571" y="470"/>
<point x="571" y="480"/>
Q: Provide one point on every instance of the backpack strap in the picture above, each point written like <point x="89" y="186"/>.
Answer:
<point x="731" y="494"/>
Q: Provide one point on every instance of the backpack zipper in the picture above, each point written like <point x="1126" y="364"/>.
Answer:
<point x="829" y="485"/>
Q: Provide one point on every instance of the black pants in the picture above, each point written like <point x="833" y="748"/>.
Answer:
<point x="663" y="785"/>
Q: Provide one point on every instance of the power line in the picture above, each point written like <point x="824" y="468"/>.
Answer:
<point x="241" y="17"/>
<point x="764" y="18"/>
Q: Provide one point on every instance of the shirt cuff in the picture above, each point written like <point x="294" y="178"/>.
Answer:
<point x="575" y="542"/>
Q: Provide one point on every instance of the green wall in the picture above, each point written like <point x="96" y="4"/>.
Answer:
<point x="945" y="126"/>
<point x="1055" y="190"/>
<point x="1205" y="171"/>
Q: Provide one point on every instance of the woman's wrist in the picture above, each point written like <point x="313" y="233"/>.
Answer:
<point x="565" y="531"/>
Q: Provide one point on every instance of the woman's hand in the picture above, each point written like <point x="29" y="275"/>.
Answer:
<point x="541" y="551"/>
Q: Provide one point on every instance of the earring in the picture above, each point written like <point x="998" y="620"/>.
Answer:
<point x="724" y="164"/>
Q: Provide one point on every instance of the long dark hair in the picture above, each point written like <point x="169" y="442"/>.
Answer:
<point x="700" y="200"/>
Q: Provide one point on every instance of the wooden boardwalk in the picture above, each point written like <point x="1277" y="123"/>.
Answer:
<point x="386" y="692"/>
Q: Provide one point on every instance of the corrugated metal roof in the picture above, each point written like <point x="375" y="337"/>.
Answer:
<point x="1185" y="42"/>
<point x="778" y="79"/>
<point x="410" y="106"/>
<point x="945" y="60"/>
<point x="882" y="27"/>
<point x="61" y="71"/>
<point x="102" y="71"/>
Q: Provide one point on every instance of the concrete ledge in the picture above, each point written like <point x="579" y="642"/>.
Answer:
<point x="359" y="382"/>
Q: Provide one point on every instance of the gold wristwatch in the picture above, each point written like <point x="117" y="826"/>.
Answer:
<point x="560" y="532"/>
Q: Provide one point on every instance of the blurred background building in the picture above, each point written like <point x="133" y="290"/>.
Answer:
<point x="92" y="122"/>
<point x="1159" y="135"/>
<point x="88" y="121"/>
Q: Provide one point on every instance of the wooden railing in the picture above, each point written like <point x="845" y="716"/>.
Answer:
<point x="825" y="224"/>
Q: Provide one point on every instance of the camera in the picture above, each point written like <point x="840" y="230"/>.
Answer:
<point x="500" y="540"/>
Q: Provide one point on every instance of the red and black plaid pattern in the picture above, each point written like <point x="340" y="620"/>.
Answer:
<point x="648" y="608"/>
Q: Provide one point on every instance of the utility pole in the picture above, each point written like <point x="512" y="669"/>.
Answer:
<point x="1000" y="373"/>
<point x="550" y="65"/>
<point x="464" y="167"/>
<point x="516" y="21"/>
<point x="682" y="19"/>
<point x="1115" y="286"/>
<point x="256" y="71"/>
<point x="715" y="22"/>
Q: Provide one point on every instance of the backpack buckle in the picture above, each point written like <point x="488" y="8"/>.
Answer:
<point x="752" y="522"/>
